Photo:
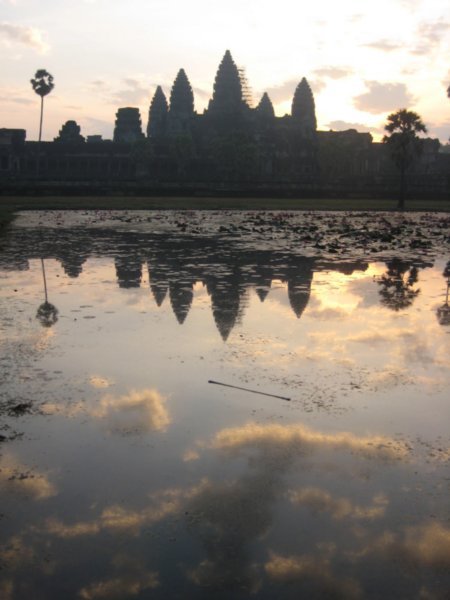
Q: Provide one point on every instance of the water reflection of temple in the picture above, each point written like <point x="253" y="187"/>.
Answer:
<point x="443" y="312"/>
<point x="176" y="264"/>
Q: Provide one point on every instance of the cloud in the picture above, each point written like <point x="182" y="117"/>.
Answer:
<point x="333" y="72"/>
<point x="204" y="94"/>
<point x="98" y="84"/>
<point x="430" y="35"/>
<point x="442" y="131"/>
<point x="19" y="34"/>
<point x="384" y="45"/>
<point x="16" y="99"/>
<point x="283" y="92"/>
<point x="383" y="97"/>
<point x="135" y="92"/>
<point x="340" y="125"/>
<point x="98" y="126"/>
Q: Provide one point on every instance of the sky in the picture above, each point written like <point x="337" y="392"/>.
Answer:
<point x="363" y="58"/>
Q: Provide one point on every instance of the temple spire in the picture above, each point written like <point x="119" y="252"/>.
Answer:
<point x="181" y="96"/>
<point x="227" y="96"/>
<point x="303" y="108"/>
<point x="157" y="115"/>
<point x="181" y="105"/>
<point x="265" y="107"/>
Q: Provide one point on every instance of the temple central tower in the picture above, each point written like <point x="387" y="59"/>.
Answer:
<point x="227" y="95"/>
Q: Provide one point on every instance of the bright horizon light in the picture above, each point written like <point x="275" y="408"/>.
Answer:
<point x="362" y="62"/>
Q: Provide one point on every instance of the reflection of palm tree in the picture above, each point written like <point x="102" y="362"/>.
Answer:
<point x="47" y="313"/>
<point x="397" y="285"/>
<point x="443" y="312"/>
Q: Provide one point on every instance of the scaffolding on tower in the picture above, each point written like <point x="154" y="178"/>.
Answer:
<point x="247" y="94"/>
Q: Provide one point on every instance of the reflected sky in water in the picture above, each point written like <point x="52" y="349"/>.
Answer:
<point x="125" y="474"/>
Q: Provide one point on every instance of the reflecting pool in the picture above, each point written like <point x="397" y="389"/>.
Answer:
<point x="125" y="473"/>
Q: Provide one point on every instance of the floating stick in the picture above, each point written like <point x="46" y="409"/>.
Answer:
<point x="236" y="387"/>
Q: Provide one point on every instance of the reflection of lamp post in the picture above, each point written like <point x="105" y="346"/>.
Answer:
<point x="47" y="313"/>
<point x="443" y="312"/>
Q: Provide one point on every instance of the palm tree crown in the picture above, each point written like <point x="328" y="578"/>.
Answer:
<point x="42" y="83"/>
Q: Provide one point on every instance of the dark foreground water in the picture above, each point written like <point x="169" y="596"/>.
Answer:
<point x="125" y="474"/>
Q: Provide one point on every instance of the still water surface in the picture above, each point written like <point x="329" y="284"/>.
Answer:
<point x="125" y="474"/>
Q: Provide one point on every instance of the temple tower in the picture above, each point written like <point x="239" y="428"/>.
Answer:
<point x="227" y="95"/>
<point x="303" y="109"/>
<point x="265" y="110"/>
<point x="128" y="127"/>
<point x="157" y="115"/>
<point x="70" y="132"/>
<point x="181" y="104"/>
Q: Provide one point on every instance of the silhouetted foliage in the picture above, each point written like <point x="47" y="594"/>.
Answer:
<point x="397" y="289"/>
<point x="47" y="314"/>
<point x="403" y="143"/>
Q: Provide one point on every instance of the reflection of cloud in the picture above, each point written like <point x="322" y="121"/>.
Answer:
<point x="418" y="547"/>
<point x="119" y="519"/>
<point x="389" y="378"/>
<point x="328" y="314"/>
<point x="119" y="588"/>
<point x="300" y="569"/>
<point x="15" y="553"/>
<point x="190" y="455"/>
<point x="298" y="438"/>
<point x="19" y="479"/>
<point x="138" y="411"/>
<point x="383" y="97"/>
<point x="6" y="589"/>
<point x="98" y="381"/>
<point x="339" y="508"/>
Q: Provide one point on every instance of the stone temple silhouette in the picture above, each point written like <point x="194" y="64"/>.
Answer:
<point x="232" y="147"/>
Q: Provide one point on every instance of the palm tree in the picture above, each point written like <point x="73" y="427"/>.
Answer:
<point x="404" y="145"/>
<point x="42" y="84"/>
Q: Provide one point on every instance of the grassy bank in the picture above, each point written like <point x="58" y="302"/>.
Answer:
<point x="11" y="204"/>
